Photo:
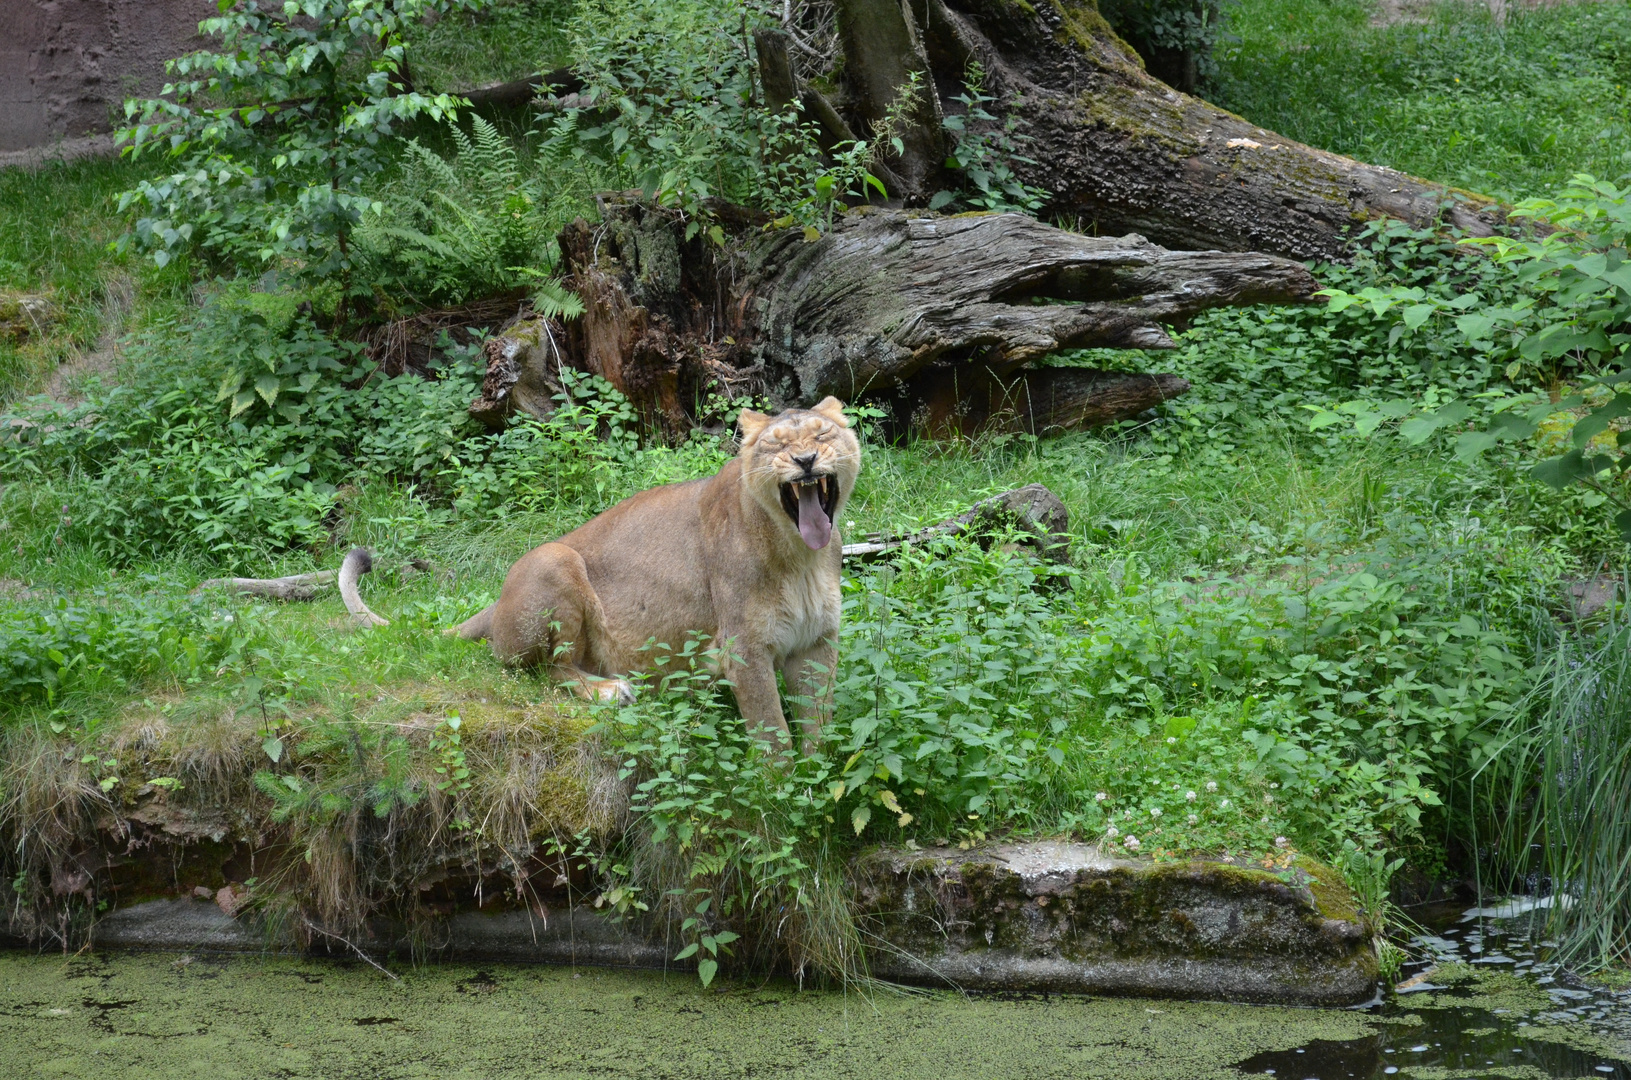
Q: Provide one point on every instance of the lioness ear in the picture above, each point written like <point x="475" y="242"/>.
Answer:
<point x="833" y="410"/>
<point x="751" y="423"/>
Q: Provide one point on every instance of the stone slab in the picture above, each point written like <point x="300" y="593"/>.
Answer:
<point x="1051" y="916"/>
<point x="1065" y="917"/>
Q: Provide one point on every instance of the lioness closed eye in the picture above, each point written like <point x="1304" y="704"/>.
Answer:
<point x="749" y="556"/>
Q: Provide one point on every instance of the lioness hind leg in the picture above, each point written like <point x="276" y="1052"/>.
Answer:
<point x="548" y="613"/>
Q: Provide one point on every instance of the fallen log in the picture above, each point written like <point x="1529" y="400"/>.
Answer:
<point x="295" y="587"/>
<point x="942" y="317"/>
<point x="1031" y="516"/>
<point x="1118" y="150"/>
<point x="302" y="587"/>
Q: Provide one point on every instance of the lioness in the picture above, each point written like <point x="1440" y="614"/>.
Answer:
<point x="749" y="556"/>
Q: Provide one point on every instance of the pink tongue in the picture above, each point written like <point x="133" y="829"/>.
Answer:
<point x="814" y="525"/>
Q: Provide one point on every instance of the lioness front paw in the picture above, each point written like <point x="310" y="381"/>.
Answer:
<point x="615" y="691"/>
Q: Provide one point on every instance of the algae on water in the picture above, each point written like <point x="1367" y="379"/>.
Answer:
<point x="160" y="1016"/>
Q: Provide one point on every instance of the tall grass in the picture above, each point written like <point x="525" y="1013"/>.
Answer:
<point x="1556" y="792"/>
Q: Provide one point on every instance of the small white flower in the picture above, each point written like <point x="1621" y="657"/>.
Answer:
<point x="1193" y="819"/>
<point x="1211" y="786"/>
<point x="1100" y="797"/>
<point x="1268" y="799"/>
<point x="1112" y="832"/>
<point x="1274" y="787"/>
<point x="1223" y="804"/>
<point x="1280" y="842"/>
<point x="849" y="524"/>
<point x="1131" y="843"/>
<point x="1189" y="796"/>
<point x="1172" y="740"/>
<point x="1155" y="811"/>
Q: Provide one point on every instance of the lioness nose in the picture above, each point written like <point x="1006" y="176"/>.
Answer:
<point x="805" y="462"/>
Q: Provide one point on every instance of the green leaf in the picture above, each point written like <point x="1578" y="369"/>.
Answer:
<point x="267" y="386"/>
<point x="273" y="747"/>
<point x="1417" y="314"/>
<point x="687" y="952"/>
<point x="241" y="401"/>
<point x="1418" y="429"/>
<point x="1560" y="472"/>
<point x="229" y="385"/>
<point x="707" y="970"/>
<point x="1475" y="327"/>
<point x="1596" y="422"/>
<point x="1622" y="521"/>
<point x="941" y="198"/>
<point x="858" y="820"/>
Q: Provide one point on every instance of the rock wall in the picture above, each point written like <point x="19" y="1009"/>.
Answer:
<point x="66" y="66"/>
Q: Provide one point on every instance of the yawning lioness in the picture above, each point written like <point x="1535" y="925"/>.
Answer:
<point x="749" y="556"/>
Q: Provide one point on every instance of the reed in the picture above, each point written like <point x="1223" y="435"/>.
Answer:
<point x="1554" y="799"/>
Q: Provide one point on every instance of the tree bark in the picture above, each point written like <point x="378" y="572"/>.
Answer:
<point x="943" y="318"/>
<point x="1031" y="516"/>
<point x="1120" y="151"/>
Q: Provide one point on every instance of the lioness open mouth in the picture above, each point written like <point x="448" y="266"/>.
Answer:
<point x="811" y="504"/>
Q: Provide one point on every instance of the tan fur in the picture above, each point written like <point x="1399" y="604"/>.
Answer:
<point x="719" y="556"/>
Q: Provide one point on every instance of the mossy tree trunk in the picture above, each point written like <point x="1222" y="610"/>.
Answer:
<point x="939" y="318"/>
<point x="1120" y="151"/>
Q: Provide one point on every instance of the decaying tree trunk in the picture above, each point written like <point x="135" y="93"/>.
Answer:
<point x="1030" y="517"/>
<point x="1120" y="151"/>
<point x="941" y="317"/>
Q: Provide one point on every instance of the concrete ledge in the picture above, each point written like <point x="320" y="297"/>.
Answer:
<point x="1038" y="917"/>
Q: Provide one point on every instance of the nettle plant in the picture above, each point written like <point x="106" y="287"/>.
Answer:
<point x="1560" y="319"/>
<point x="275" y="136"/>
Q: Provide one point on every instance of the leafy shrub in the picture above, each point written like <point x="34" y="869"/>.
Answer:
<point x="1174" y="37"/>
<point x="1552" y="310"/>
<point x="60" y="647"/>
<point x="232" y="438"/>
<point x="987" y="147"/>
<point x="277" y="135"/>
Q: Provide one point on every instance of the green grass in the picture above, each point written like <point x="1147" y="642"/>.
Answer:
<point x="1512" y="111"/>
<point x="58" y="222"/>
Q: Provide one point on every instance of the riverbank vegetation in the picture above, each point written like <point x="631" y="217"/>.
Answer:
<point x="1299" y="612"/>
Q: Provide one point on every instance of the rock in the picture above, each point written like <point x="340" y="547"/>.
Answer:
<point x="182" y="925"/>
<point x="1064" y="917"/>
<point x="26" y="315"/>
<point x="1587" y="597"/>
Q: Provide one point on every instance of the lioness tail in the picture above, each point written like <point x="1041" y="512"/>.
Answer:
<point x="474" y="628"/>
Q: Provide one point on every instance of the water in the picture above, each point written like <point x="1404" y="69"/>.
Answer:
<point x="1485" y="1008"/>
<point x="1479" y="1000"/>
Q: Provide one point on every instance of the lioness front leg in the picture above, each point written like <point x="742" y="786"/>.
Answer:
<point x="808" y="674"/>
<point x="757" y="697"/>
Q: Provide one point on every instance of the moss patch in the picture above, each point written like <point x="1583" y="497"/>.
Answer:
<point x="162" y="1016"/>
<point x="1480" y="988"/>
